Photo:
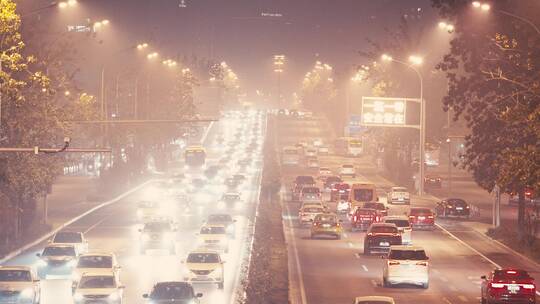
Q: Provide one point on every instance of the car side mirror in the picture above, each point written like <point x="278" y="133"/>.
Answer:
<point x="199" y="295"/>
<point x="234" y="221"/>
<point x="145" y="296"/>
<point x="140" y="230"/>
<point x="38" y="255"/>
<point x="483" y="277"/>
<point x="122" y="286"/>
<point x="182" y="261"/>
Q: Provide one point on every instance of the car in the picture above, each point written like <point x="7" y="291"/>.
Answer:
<point x="211" y="171"/>
<point x="99" y="288"/>
<point x="232" y="183"/>
<point x="421" y="218"/>
<point x="382" y="210"/>
<point x="406" y="265"/>
<point x="323" y="150"/>
<point x="148" y="210"/>
<point x="331" y="181"/>
<point x="95" y="263"/>
<point x="239" y="177"/>
<point x="453" y="207"/>
<point x="245" y="162"/>
<point x="374" y="300"/>
<point x="310" y="152"/>
<point x="197" y="183"/>
<point x="432" y="181"/>
<point x="343" y="206"/>
<point x="307" y="213"/>
<point x="231" y="197"/>
<point x="379" y="238"/>
<point x="71" y="238"/>
<point x="57" y="260"/>
<point x="398" y="195"/>
<point x="326" y="224"/>
<point x="225" y="220"/>
<point x="362" y="218"/>
<point x="300" y="182"/>
<point x="530" y="197"/>
<point x="214" y="237"/>
<point x="325" y="171"/>
<point x="508" y="285"/>
<point x="172" y="292"/>
<point x="310" y="194"/>
<point x="312" y="163"/>
<point x="205" y="266"/>
<point x="19" y="284"/>
<point x="403" y="225"/>
<point x="159" y="234"/>
<point x="340" y="191"/>
<point x="347" y="171"/>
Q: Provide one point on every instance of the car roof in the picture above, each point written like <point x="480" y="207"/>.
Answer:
<point x="407" y="247"/>
<point x="396" y="217"/>
<point x="383" y="225"/>
<point x="214" y="225"/>
<point x="64" y="245"/>
<point x="374" y="298"/>
<point x="104" y="273"/>
<point x="203" y="251"/>
<point x="90" y="254"/>
<point x="174" y="283"/>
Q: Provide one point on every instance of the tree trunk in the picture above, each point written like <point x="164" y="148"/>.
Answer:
<point x="521" y="213"/>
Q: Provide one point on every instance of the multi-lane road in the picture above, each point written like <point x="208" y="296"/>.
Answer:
<point x="115" y="228"/>
<point x="335" y="271"/>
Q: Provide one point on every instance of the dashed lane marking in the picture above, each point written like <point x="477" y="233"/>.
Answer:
<point x="365" y="268"/>
<point x="374" y="283"/>
<point x="446" y="301"/>
<point x="350" y="244"/>
<point x="463" y="298"/>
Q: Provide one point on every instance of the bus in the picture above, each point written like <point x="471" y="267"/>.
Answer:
<point x="195" y="156"/>
<point x="349" y="146"/>
<point x="361" y="193"/>
<point x="290" y="156"/>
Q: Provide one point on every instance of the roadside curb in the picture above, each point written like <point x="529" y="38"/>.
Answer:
<point x="41" y="239"/>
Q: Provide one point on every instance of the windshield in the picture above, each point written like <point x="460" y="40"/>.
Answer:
<point x="378" y="206"/>
<point x="363" y="195"/>
<point x="457" y="202"/>
<point x="420" y="211"/>
<point x="157" y="226"/>
<point x="213" y="230"/>
<point x="290" y="151"/>
<point x="96" y="261"/>
<point x="67" y="237"/>
<point x="15" y="276"/>
<point x="97" y="282"/>
<point x="313" y="210"/>
<point x="172" y="291"/>
<point x="311" y="190"/>
<point x="203" y="258"/>
<point x="326" y="218"/>
<point x="383" y="229"/>
<point x="417" y="255"/>
<point x="398" y="223"/>
<point x="399" y="189"/>
<point x="218" y="218"/>
<point x="59" y="251"/>
<point x="305" y="180"/>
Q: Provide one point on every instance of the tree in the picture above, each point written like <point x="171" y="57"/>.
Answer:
<point x="493" y="70"/>
<point x="318" y="89"/>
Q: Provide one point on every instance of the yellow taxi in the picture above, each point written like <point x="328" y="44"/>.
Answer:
<point x="326" y="224"/>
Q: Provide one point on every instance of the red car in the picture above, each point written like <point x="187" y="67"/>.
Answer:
<point x="340" y="191"/>
<point x="422" y="218"/>
<point x="508" y="286"/>
<point x="382" y="210"/>
<point x="362" y="218"/>
<point x="432" y="181"/>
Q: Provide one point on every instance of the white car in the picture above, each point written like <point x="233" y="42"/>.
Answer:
<point x="71" y="238"/>
<point x="374" y="300"/>
<point x="311" y="152"/>
<point x="147" y="211"/>
<point x="102" y="286"/>
<point x="56" y="260"/>
<point x="403" y="225"/>
<point x="204" y="267"/>
<point x="406" y="265"/>
<point x="95" y="263"/>
<point x="398" y="195"/>
<point x="323" y="150"/>
<point x="307" y="213"/>
<point x="347" y="171"/>
<point x="313" y="163"/>
<point x="214" y="237"/>
<point x="19" y="284"/>
<point x="325" y="171"/>
<point x="343" y="206"/>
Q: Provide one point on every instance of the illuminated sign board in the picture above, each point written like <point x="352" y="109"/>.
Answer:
<point x="383" y="111"/>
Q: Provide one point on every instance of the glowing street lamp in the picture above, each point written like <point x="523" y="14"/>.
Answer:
<point x="484" y="7"/>
<point x="152" y="55"/>
<point x="100" y="24"/>
<point x="481" y="5"/>
<point x="65" y="4"/>
<point x="446" y="26"/>
<point x="416" y="60"/>
<point x="142" y="46"/>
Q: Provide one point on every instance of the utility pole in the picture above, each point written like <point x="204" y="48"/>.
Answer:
<point x="497" y="206"/>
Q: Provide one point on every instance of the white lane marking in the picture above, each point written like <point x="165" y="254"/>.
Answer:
<point x="96" y="224"/>
<point x="297" y="260"/>
<point x="444" y="279"/>
<point x="345" y="235"/>
<point x="365" y="268"/>
<point x="463" y="298"/>
<point x="468" y="246"/>
<point x="446" y="301"/>
<point x="374" y="283"/>
<point x="350" y="244"/>
<point x="357" y="255"/>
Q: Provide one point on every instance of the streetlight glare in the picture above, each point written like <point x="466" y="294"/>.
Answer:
<point x="476" y="4"/>
<point x="386" y="57"/>
<point x="416" y="60"/>
<point x="105" y="22"/>
<point x="142" y="46"/>
<point x="486" y="7"/>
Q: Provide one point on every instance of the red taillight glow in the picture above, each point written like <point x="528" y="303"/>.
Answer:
<point x="431" y="216"/>
<point x="528" y="286"/>
<point x="497" y="285"/>
<point x="355" y="218"/>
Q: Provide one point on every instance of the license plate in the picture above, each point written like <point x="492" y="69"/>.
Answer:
<point x="513" y="288"/>
<point x="459" y="208"/>
<point x="326" y="225"/>
<point x="384" y="244"/>
<point x="400" y="199"/>
<point x="421" y="217"/>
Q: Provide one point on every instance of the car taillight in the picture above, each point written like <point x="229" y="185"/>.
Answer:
<point x="422" y="263"/>
<point x="315" y="224"/>
<point x="497" y="285"/>
<point x="430" y="216"/>
<point x="355" y="218"/>
<point x="338" y="225"/>
<point x="390" y="263"/>
<point x="528" y="286"/>
<point x="370" y="234"/>
<point x="411" y="217"/>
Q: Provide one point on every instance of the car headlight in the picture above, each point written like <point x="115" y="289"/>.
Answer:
<point x="27" y="293"/>
<point x="78" y="297"/>
<point x="114" y="296"/>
